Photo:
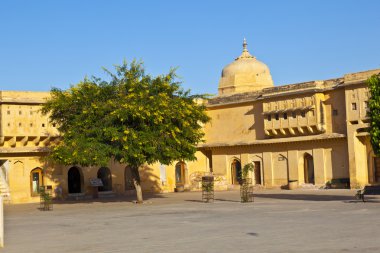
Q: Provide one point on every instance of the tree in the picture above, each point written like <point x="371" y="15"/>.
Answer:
<point x="374" y="112"/>
<point x="134" y="119"/>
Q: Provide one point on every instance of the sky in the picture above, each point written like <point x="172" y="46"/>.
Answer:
<point x="45" y="44"/>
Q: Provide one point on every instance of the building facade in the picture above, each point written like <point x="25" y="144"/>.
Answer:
<point x="312" y="134"/>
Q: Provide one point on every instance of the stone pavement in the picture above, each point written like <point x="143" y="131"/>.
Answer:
<point x="278" y="221"/>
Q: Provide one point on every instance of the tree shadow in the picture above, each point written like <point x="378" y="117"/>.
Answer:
<point x="58" y="178"/>
<point x="117" y="199"/>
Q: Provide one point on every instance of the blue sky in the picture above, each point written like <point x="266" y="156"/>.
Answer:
<point x="46" y="44"/>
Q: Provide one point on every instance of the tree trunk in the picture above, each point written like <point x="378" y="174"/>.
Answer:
<point x="137" y="183"/>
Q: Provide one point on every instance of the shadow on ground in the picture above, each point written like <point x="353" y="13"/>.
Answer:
<point x="114" y="199"/>
<point x="312" y="197"/>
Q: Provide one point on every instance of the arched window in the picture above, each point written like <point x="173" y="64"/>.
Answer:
<point x="36" y="181"/>
<point x="105" y="175"/>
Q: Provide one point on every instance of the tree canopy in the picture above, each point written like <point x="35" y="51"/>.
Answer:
<point x="374" y="106"/>
<point x="134" y="118"/>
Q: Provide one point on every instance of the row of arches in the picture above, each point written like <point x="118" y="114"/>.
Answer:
<point x="236" y="171"/>
<point x="75" y="179"/>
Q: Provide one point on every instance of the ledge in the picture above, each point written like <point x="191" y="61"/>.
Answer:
<point x="24" y="150"/>
<point x="320" y="137"/>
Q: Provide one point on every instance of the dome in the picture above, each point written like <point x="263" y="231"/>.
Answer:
<point x="245" y="74"/>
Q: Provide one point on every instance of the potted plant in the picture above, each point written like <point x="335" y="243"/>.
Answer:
<point x="246" y="190"/>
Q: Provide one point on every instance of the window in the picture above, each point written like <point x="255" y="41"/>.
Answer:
<point x="19" y="124"/>
<point x="303" y="114"/>
<point x="31" y="112"/>
<point x="366" y="108"/>
<point x="294" y="115"/>
<point x="19" y="112"/>
<point x="54" y="124"/>
<point x="31" y="124"/>
<point x="9" y="124"/>
<point x="269" y="117"/>
<point x="285" y="116"/>
<point x="43" y="125"/>
<point x="335" y="112"/>
<point x="8" y="112"/>
<point x="353" y="106"/>
<point x="277" y="116"/>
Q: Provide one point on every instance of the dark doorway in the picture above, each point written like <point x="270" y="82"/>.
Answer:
<point x="128" y="179"/>
<point x="180" y="171"/>
<point x="257" y="171"/>
<point x="309" y="169"/>
<point x="377" y="169"/>
<point x="104" y="174"/>
<point x="236" y="172"/>
<point x="74" y="180"/>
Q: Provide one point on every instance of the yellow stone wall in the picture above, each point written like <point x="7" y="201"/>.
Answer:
<point x="331" y="131"/>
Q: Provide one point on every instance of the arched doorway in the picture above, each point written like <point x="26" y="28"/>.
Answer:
<point x="236" y="172"/>
<point x="257" y="172"/>
<point x="104" y="174"/>
<point x="309" y="169"/>
<point x="180" y="174"/>
<point x="128" y="179"/>
<point x="36" y="181"/>
<point x="74" y="180"/>
<point x="376" y="161"/>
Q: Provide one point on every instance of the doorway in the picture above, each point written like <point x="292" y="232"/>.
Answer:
<point x="309" y="169"/>
<point x="236" y="172"/>
<point x="129" y="185"/>
<point x="74" y="180"/>
<point x="377" y="169"/>
<point x="180" y="174"/>
<point x="257" y="173"/>
<point x="104" y="174"/>
<point x="35" y="181"/>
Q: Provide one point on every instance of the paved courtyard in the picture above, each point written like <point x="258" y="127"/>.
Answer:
<point x="278" y="221"/>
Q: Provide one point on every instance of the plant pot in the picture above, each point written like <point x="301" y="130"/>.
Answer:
<point x="179" y="188"/>
<point x="293" y="184"/>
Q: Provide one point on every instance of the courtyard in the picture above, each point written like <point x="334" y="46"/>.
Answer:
<point x="277" y="221"/>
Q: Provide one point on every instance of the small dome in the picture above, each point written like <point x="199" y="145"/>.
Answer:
<point x="244" y="74"/>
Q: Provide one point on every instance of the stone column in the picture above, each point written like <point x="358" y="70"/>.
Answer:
<point x="319" y="166"/>
<point x="268" y="169"/>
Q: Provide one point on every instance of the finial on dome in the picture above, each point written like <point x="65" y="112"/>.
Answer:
<point x="245" y="53"/>
<point x="245" y="45"/>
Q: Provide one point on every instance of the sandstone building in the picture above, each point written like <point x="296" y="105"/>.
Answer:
<point x="312" y="133"/>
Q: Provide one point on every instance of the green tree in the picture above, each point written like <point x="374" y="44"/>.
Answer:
<point x="134" y="119"/>
<point x="374" y="107"/>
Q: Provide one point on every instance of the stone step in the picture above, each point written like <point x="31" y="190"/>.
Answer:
<point x="77" y="196"/>
<point x="107" y="194"/>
